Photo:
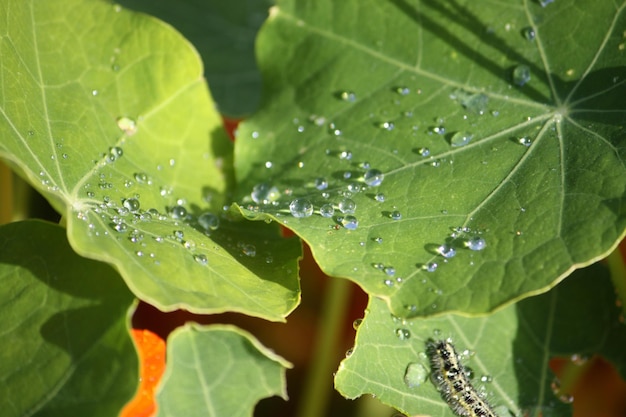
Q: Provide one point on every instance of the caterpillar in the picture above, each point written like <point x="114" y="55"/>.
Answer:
<point x="450" y="378"/>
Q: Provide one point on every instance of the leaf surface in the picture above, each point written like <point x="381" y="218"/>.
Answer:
<point x="508" y="351"/>
<point x="493" y="131"/>
<point x="218" y="371"/>
<point x="106" y="113"/>
<point x="65" y="347"/>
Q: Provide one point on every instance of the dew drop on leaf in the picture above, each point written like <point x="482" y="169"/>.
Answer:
<point x="301" y="207"/>
<point x="349" y="96"/>
<point x="327" y="210"/>
<point x="521" y="75"/>
<point x="350" y="222"/>
<point x="423" y="151"/>
<point x="178" y="212"/>
<point x="395" y="215"/>
<point x="460" y="139"/>
<point x="380" y="197"/>
<point x="321" y="183"/>
<point x="524" y="140"/>
<point x="529" y="33"/>
<point x="201" y="259"/>
<point x="209" y="221"/>
<point x="403" y="334"/>
<point x="476" y="243"/>
<point x="373" y="177"/>
<point x="132" y="204"/>
<point x="264" y="193"/>
<point x="446" y="251"/>
<point x="347" y="206"/>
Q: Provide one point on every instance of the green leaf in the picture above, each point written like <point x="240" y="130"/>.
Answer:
<point x="353" y="86"/>
<point x="106" y="113"/>
<point x="65" y="349"/>
<point x="218" y="371"/>
<point x="224" y="35"/>
<point x="511" y="349"/>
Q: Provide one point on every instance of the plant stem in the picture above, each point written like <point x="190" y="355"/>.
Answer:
<point x="618" y="275"/>
<point x="317" y="387"/>
<point x="6" y="194"/>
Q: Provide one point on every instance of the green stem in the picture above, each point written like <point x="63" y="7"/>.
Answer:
<point x="318" y="386"/>
<point x="6" y="194"/>
<point x="618" y="275"/>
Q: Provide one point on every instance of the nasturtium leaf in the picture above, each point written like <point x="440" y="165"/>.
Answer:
<point x="508" y="351"/>
<point x="65" y="349"/>
<point x="218" y="371"/>
<point x="481" y="143"/>
<point x="105" y="112"/>
<point x="223" y="32"/>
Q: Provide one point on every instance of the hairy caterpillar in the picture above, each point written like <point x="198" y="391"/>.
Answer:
<point x="450" y="377"/>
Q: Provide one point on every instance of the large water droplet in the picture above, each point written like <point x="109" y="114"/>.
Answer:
<point x="521" y="75"/>
<point x="321" y="183"/>
<point x="395" y="215"/>
<point x="327" y="210"/>
<point x="446" y="251"/>
<point x="209" y="221"/>
<point x="403" y="334"/>
<point x="114" y="154"/>
<point x="529" y="33"/>
<point x="415" y="375"/>
<point x="373" y="177"/>
<point x="423" y="151"/>
<point x="476" y="243"/>
<point x="201" y="258"/>
<point x="132" y="204"/>
<point x="460" y="139"/>
<point x="264" y="193"/>
<point x="350" y="222"/>
<point x="301" y="207"/>
<point x="178" y="212"/>
<point x="524" y="140"/>
<point x="380" y="197"/>
<point x="347" y="206"/>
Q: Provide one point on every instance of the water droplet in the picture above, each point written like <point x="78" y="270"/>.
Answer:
<point x="121" y="227"/>
<point x="378" y="240"/>
<point x="347" y="175"/>
<point x="431" y="266"/>
<point x="356" y="323"/>
<point x="529" y="33"/>
<point x="524" y="140"/>
<point x="403" y="91"/>
<point x="446" y="251"/>
<point x="521" y="75"/>
<point x="440" y="130"/>
<point x="201" y="258"/>
<point x="347" y="206"/>
<point x="387" y="125"/>
<point x="247" y="249"/>
<point x="127" y="125"/>
<point x="544" y="3"/>
<point x="380" y="197"/>
<point x="423" y="151"/>
<point x="348" y="96"/>
<point x="460" y="139"/>
<point x="476" y="243"/>
<point x="373" y="177"/>
<point x="415" y="375"/>
<point x="268" y="164"/>
<point x="264" y="193"/>
<point x="327" y="210"/>
<point x="114" y="154"/>
<point x="301" y="207"/>
<point x="94" y="92"/>
<point x="395" y="215"/>
<point x="345" y="155"/>
<point x="403" y="334"/>
<point x="486" y="378"/>
<point x="178" y="212"/>
<point x="254" y="135"/>
<point x="321" y="183"/>
<point x="388" y="282"/>
<point x="142" y="178"/>
<point x="350" y="222"/>
<point x="132" y="204"/>
<point x="389" y="270"/>
<point x="209" y="221"/>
